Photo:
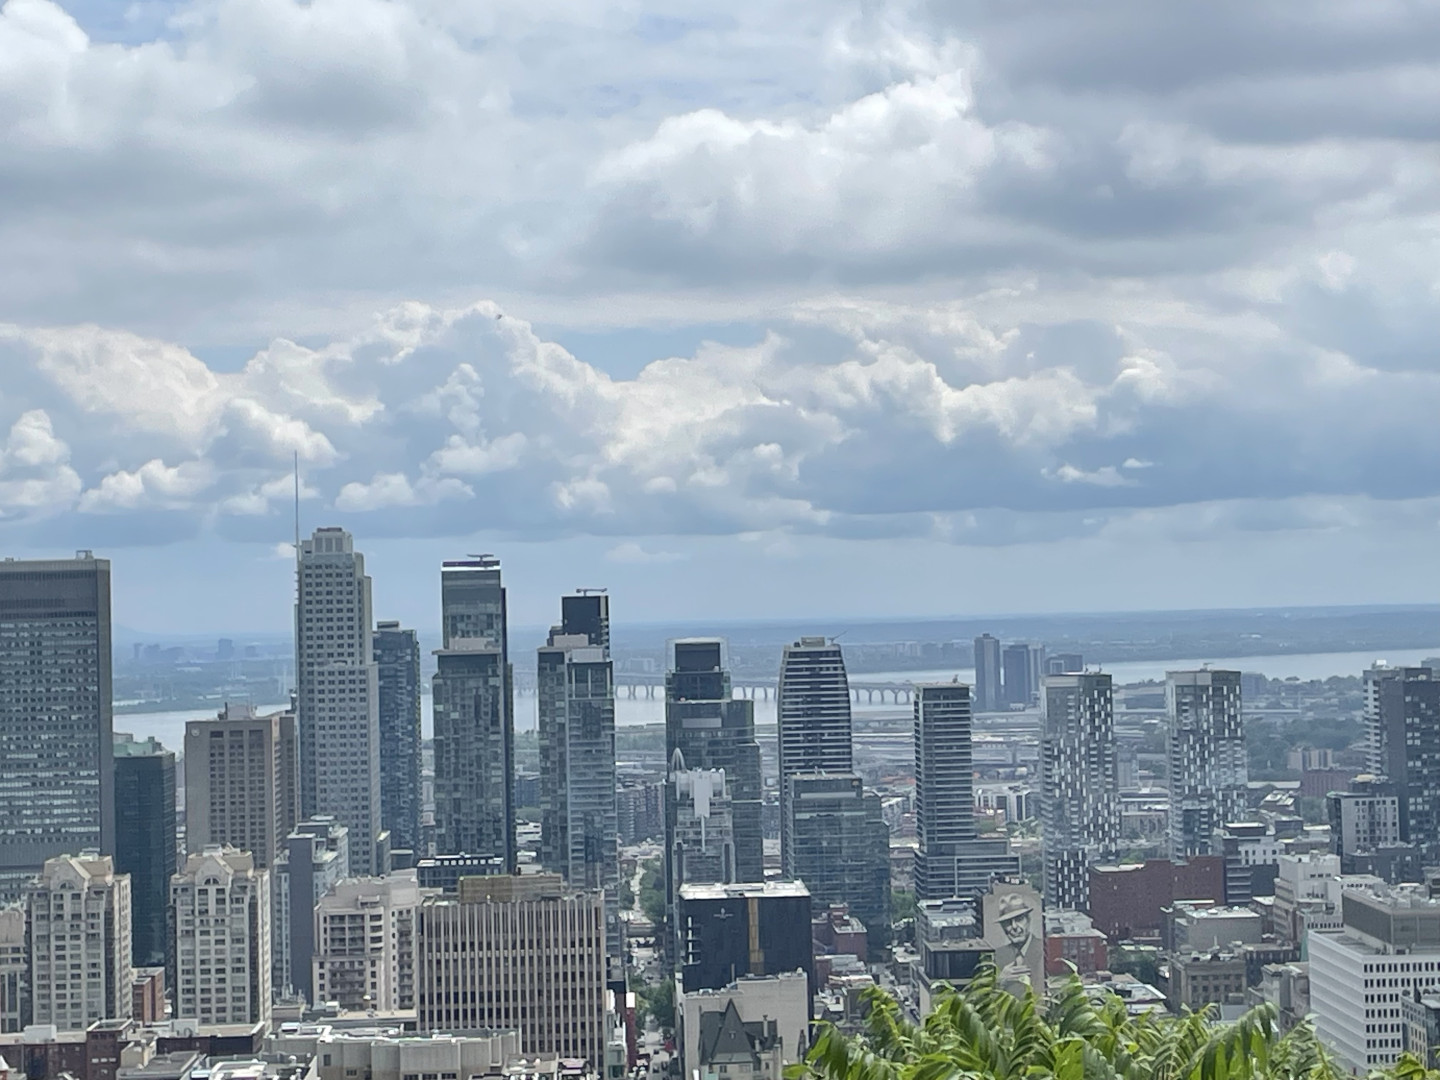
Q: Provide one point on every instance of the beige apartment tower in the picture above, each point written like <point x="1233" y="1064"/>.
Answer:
<point x="365" y="943"/>
<point x="241" y="782"/>
<point x="516" y="952"/>
<point x="221" y="907"/>
<point x="78" y="911"/>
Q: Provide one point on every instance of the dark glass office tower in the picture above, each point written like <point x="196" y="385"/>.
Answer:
<point x="576" y="711"/>
<point x="474" y="705"/>
<point x="712" y="730"/>
<point x="988" y="695"/>
<point x="840" y="846"/>
<point x="56" y="743"/>
<point x="145" y="843"/>
<point x="397" y="658"/>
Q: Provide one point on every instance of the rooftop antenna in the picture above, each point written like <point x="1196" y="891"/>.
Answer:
<point x="297" y="507"/>
<point x="588" y="590"/>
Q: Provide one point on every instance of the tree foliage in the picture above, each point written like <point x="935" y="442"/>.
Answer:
<point x="985" y="1033"/>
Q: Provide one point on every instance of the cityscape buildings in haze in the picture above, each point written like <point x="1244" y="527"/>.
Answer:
<point x="952" y="859"/>
<point x="56" y="743"/>
<point x="1080" y="790"/>
<point x="713" y="730"/>
<point x="812" y="708"/>
<point x="338" y="691"/>
<point x="474" y="714"/>
<point x="397" y="664"/>
<point x="988" y="696"/>
<point x="575" y="680"/>
<point x="1205" y="754"/>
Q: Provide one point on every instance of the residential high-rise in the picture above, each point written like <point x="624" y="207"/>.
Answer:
<point x="840" y="846"/>
<point x="55" y="714"/>
<point x="988" y="686"/>
<point x="365" y="951"/>
<point x="241" y="782"/>
<point x="952" y="859"/>
<point x="1402" y="726"/>
<point x="812" y="708"/>
<point x="1064" y="663"/>
<point x="314" y="859"/>
<point x="222" y="938"/>
<point x="397" y="662"/>
<point x="579" y="837"/>
<point x="474" y="707"/>
<point x="339" y="694"/>
<point x="78" y="911"/>
<point x="1080" y="788"/>
<point x="712" y="730"/>
<point x="1205" y="750"/>
<point x="516" y="952"/>
<point x="145" y="842"/>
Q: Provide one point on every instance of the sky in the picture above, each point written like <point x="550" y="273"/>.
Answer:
<point x="768" y="309"/>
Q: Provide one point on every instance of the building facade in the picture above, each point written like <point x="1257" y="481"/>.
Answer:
<point x="221" y="902"/>
<point x="729" y="931"/>
<point x="1205" y="754"/>
<point x="55" y="714"/>
<point x="703" y="845"/>
<point x="840" y="846"/>
<point x="1080" y="791"/>
<point x="1402" y="726"/>
<point x="474" y="707"/>
<point x="365" y="952"/>
<point x="14" y="970"/>
<point x="714" y="731"/>
<point x="753" y="1027"/>
<point x="78" y="913"/>
<point x="242" y="781"/>
<point x="516" y="952"/>
<point x="397" y="674"/>
<point x="812" y="708"/>
<point x="952" y="859"/>
<point x="314" y="860"/>
<point x="339" y="694"/>
<point x="145" y="842"/>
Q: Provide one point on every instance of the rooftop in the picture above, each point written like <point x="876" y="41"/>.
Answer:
<point x="744" y="889"/>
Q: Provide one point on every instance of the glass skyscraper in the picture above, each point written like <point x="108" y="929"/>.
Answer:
<point x="56" y="748"/>
<point x="145" y="843"/>
<point x="397" y="662"/>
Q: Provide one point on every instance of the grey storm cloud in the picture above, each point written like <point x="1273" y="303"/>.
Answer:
<point x="1018" y="272"/>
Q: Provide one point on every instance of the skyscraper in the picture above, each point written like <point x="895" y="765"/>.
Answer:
<point x="339" y="697"/>
<point x="474" y="706"/>
<point x="222" y="938"/>
<point x="712" y="730"/>
<point x="988" y="695"/>
<point x="1022" y="665"/>
<point x="1080" y="788"/>
<point x="579" y="837"/>
<point x="813" y="720"/>
<point x="397" y="662"/>
<point x="952" y="859"/>
<point x="518" y="952"/>
<point x="1402" y="727"/>
<point x="241" y="781"/>
<point x="145" y="842"/>
<point x="1205" y="750"/>
<point x="55" y="722"/>
<point x="703" y="848"/>
<point x="78" y="910"/>
<point x="840" y="846"/>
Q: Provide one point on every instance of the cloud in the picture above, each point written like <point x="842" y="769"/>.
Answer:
<point x="631" y="552"/>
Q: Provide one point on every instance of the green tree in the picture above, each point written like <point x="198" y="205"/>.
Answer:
<point x="984" y="1033"/>
<point x="658" y="1002"/>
